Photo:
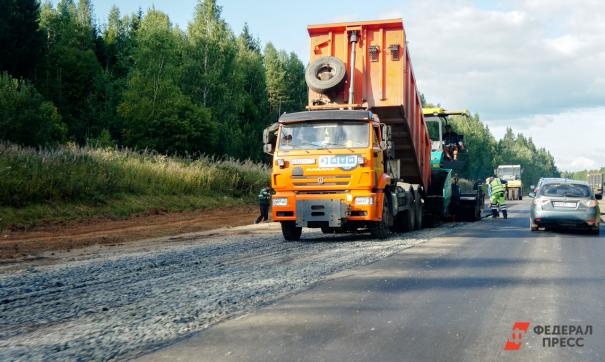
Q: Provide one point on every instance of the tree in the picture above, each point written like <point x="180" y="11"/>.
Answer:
<point x="535" y="162"/>
<point x="156" y="113"/>
<point x="25" y="117"/>
<point x="480" y="146"/>
<point x="210" y="73"/>
<point x="119" y="39"/>
<point x="295" y="84"/>
<point x="70" y="74"/>
<point x="275" y="75"/>
<point x="255" y="106"/>
<point x="21" y="41"/>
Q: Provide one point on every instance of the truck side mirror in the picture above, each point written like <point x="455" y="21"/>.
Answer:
<point x="386" y="132"/>
<point x="269" y="138"/>
<point x="268" y="148"/>
<point x="269" y="133"/>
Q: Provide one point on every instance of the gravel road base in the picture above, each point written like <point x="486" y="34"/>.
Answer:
<point x="120" y="306"/>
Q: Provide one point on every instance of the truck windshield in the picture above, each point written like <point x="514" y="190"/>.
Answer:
<point x="508" y="172"/>
<point x="432" y="124"/>
<point x="318" y="135"/>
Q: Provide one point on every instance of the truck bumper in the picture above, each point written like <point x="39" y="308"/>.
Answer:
<point x="326" y="210"/>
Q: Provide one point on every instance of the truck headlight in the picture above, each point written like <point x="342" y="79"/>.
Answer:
<point x="280" y="201"/>
<point x="365" y="200"/>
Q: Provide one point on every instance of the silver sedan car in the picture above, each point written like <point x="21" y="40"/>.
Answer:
<point x="563" y="203"/>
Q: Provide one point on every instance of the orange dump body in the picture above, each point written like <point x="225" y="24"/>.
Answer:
<point x="384" y="83"/>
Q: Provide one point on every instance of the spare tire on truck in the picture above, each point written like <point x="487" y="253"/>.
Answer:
<point x="325" y="74"/>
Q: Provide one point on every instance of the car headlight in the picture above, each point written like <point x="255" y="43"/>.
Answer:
<point x="589" y="203"/>
<point x="280" y="201"/>
<point x="364" y="200"/>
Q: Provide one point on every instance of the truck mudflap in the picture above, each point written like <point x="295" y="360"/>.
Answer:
<point x="332" y="211"/>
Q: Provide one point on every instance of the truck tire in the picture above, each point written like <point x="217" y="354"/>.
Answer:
<point x="406" y="221"/>
<point x="325" y="74"/>
<point x="290" y="231"/>
<point x="428" y="221"/>
<point x="418" y="214"/>
<point x="381" y="229"/>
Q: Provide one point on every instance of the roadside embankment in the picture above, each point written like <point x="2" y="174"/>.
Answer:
<point x="52" y="186"/>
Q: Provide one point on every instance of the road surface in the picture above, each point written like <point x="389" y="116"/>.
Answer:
<point x="454" y="297"/>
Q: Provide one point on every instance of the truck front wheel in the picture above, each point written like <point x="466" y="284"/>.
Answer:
<point x="381" y="229"/>
<point x="290" y="231"/>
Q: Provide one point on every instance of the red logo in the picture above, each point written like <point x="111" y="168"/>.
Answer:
<point x="514" y="343"/>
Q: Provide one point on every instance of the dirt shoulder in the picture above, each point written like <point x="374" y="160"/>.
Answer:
<point x="77" y="234"/>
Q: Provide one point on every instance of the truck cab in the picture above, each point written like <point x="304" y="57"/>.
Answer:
<point x="328" y="168"/>
<point x="437" y="120"/>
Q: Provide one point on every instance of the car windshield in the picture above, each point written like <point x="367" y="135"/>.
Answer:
<point x="565" y="190"/>
<point x="318" y="135"/>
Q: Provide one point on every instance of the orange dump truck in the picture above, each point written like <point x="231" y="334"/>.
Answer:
<point x="359" y="158"/>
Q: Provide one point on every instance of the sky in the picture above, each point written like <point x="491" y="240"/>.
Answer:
<point x="537" y="66"/>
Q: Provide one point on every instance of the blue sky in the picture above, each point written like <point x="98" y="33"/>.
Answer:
<point x="534" y="65"/>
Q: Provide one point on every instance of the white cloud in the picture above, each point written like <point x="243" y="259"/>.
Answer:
<point x="566" y="44"/>
<point x="532" y="57"/>
<point x="534" y="65"/>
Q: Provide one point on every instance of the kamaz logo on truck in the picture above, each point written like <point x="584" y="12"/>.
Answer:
<point x="345" y="162"/>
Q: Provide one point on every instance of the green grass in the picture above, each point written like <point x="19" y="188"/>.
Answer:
<point x="71" y="182"/>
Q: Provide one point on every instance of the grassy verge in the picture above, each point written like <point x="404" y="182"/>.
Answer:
<point x="65" y="183"/>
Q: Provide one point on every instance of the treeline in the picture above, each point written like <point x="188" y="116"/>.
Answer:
<point x="485" y="153"/>
<point x="139" y="81"/>
<point x="581" y="175"/>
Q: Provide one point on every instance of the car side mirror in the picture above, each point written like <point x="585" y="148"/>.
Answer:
<point x="598" y="196"/>
<point x="532" y="194"/>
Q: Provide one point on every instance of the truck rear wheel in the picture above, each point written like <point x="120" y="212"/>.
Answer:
<point x="418" y="215"/>
<point x="406" y="221"/>
<point x="290" y="231"/>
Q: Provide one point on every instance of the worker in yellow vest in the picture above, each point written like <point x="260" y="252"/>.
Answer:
<point x="495" y="190"/>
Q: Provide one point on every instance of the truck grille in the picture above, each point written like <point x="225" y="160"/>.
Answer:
<point x="335" y="180"/>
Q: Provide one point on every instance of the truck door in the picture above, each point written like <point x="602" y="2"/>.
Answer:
<point x="378" y="154"/>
